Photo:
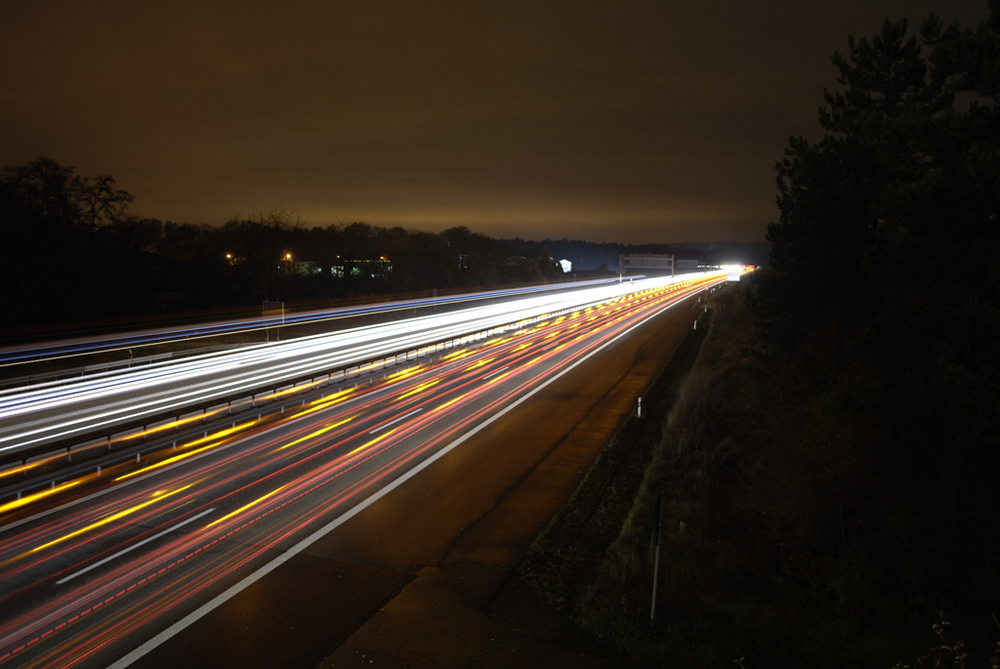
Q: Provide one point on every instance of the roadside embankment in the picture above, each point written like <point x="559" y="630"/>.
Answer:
<point x="766" y="560"/>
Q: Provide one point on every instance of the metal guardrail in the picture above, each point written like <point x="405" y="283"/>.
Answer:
<point x="127" y="436"/>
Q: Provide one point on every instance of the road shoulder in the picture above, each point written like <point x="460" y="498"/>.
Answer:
<point x="449" y="614"/>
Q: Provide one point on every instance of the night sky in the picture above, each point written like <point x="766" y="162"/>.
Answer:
<point x="633" y="122"/>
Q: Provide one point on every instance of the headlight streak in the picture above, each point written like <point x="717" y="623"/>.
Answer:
<point x="15" y="355"/>
<point x="470" y="386"/>
<point x="225" y="375"/>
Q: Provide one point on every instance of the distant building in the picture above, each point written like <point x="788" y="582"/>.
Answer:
<point x="305" y="267"/>
<point x="567" y="266"/>
<point x="375" y="269"/>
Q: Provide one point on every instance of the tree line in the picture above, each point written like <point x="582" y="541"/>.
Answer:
<point x="831" y="466"/>
<point x="76" y="253"/>
<point x="851" y="433"/>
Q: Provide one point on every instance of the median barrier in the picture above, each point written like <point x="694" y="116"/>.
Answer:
<point x="88" y="448"/>
<point x="160" y="423"/>
<point x="240" y="404"/>
<point x="191" y="414"/>
<point x="119" y="437"/>
<point x="43" y="456"/>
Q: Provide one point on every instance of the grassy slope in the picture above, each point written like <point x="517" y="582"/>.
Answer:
<point x="730" y="586"/>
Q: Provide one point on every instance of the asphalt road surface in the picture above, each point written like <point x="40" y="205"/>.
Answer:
<point x="267" y="543"/>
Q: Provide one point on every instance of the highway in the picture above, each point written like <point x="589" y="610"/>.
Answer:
<point x="52" y="350"/>
<point x="55" y="412"/>
<point x="94" y="575"/>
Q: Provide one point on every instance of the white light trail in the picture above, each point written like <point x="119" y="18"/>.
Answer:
<point x="76" y="408"/>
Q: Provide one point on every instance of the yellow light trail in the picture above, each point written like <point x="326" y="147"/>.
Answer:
<point x="371" y="443"/>
<point x="167" y="426"/>
<point x="218" y="435"/>
<point x="410" y="371"/>
<point x="479" y="364"/>
<point x="322" y="430"/>
<point x="498" y="377"/>
<point x="34" y="497"/>
<point x="168" y="461"/>
<point x="419" y="389"/>
<point x="448" y="403"/>
<point x="159" y="495"/>
<point x="20" y="469"/>
<point x="325" y="403"/>
<point x="246" y="506"/>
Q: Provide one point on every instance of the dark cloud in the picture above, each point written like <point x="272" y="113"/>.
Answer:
<point x="637" y="121"/>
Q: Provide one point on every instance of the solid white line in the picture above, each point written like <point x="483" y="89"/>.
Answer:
<point x="496" y="372"/>
<point x="393" y="422"/>
<point x="236" y="589"/>
<point x="131" y="548"/>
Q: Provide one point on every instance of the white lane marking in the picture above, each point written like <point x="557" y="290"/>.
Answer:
<point x="393" y="422"/>
<point x="132" y="548"/>
<point x="496" y="372"/>
<point x="236" y="589"/>
<point x="157" y="472"/>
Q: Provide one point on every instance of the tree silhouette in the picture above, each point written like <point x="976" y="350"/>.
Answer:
<point x="881" y="315"/>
